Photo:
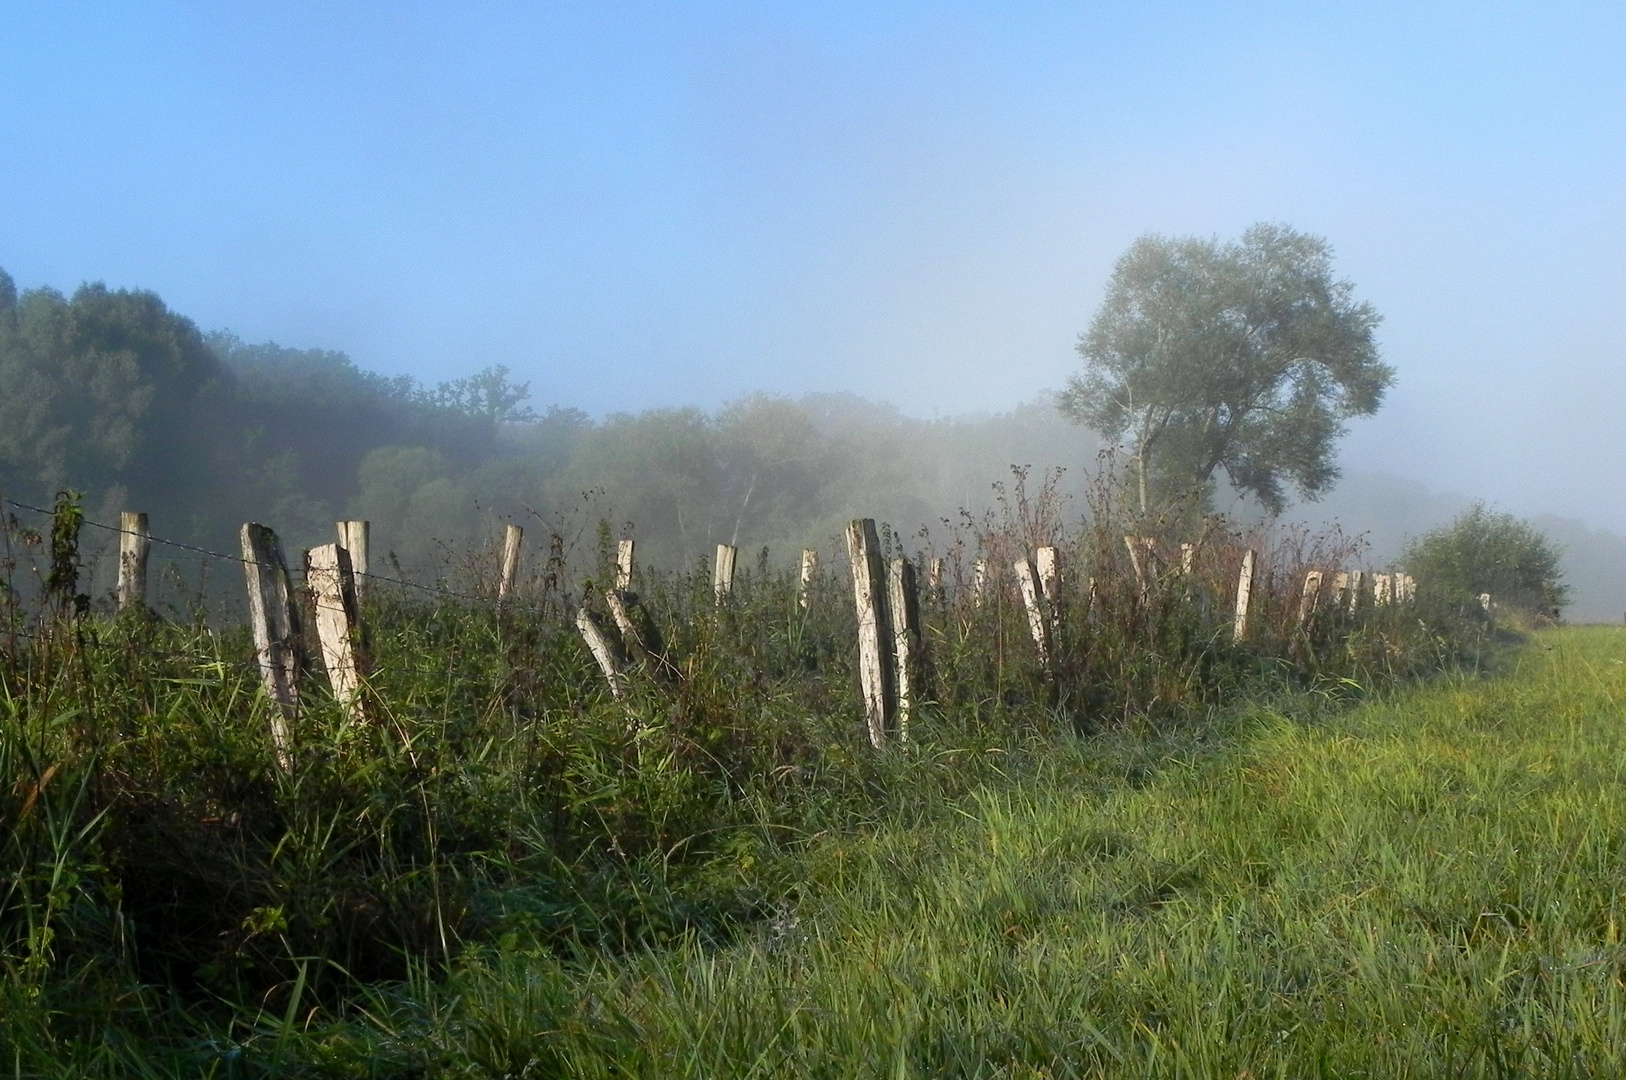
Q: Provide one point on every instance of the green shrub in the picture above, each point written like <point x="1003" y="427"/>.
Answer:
<point x="1483" y="551"/>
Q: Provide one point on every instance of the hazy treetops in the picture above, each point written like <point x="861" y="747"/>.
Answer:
<point x="1245" y="356"/>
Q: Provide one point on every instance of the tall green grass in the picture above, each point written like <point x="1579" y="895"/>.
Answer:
<point x="1433" y="884"/>
<point x="174" y="901"/>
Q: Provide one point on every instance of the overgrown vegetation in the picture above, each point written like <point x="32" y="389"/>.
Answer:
<point x="178" y="902"/>
<point x="1486" y="553"/>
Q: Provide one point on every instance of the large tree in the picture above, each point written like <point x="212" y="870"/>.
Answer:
<point x="1245" y="356"/>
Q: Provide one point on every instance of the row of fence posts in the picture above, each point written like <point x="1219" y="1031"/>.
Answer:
<point x="891" y="663"/>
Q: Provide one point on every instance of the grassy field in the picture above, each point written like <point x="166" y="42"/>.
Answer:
<point x="1428" y="885"/>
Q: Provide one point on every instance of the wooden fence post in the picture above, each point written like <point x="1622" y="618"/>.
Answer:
<point x="908" y="669"/>
<point x="1049" y="568"/>
<point x="1027" y="580"/>
<point x="1383" y="590"/>
<point x="875" y="669"/>
<point x="1143" y="557"/>
<point x="1405" y="588"/>
<point x="934" y="577"/>
<point x="810" y="569"/>
<point x="356" y="538"/>
<point x="1357" y="583"/>
<point x="274" y="622"/>
<point x="1244" y="597"/>
<point x="513" y="537"/>
<point x="623" y="565"/>
<point x="1310" y="596"/>
<point x="338" y="624"/>
<point x="1188" y="559"/>
<point x="134" y="545"/>
<point x="722" y="575"/>
<point x="602" y="648"/>
<point x="638" y="630"/>
<point x="979" y="581"/>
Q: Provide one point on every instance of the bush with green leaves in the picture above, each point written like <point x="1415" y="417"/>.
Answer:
<point x="1485" y="551"/>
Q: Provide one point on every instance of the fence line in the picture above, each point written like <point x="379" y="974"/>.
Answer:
<point x="248" y="562"/>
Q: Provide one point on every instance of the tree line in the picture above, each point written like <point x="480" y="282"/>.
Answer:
<point x="112" y="393"/>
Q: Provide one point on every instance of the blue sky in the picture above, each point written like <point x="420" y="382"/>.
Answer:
<point x="645" y="204"/>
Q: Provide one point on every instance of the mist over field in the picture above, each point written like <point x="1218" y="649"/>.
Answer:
<point x="140" y="411"/>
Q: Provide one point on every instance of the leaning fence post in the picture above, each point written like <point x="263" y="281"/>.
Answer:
<point x="638" y="630"/>
<point x="722" y="575"/>
<point x="513" y="536"/>
<point x="904" y="607"/>
<point x="338" y="624"/>
<point x="1033" y="599"/>
<point x="134" y="545"/>
<point x="356" y="538"/>
<point x="623" y="565"/>
<point x="602" y="648"/>
<point x="874" y="634"/>
<point x="810" y="568"/>
<point x="274" y="622"/>
<point x="1244" y="595"/>
<point x="1309" y="597"/>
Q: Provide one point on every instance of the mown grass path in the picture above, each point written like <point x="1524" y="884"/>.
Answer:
<point x="1431" y="885"/>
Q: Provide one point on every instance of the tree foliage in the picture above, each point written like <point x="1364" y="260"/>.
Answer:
<point x="1484" y="551"/>
<point x="1246" y="357"/>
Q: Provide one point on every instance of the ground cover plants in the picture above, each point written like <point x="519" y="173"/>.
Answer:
<point x="508" y="871"/>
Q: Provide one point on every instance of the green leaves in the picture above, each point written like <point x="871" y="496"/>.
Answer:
<point x="1246" y="356"/>
<point x="1483" y="551"/>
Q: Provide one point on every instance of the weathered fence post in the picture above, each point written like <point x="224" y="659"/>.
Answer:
<point x="338" y="626"/>
<point x="1357" y="583"/>
<point x="1049" y="568"/>
<point x="1382" y="590"/>
<point x="934" y="577"/>
<point x="875" y="668"/>
<point x="356" y="538"/>
<point x="1405" y="588"/>
<point x="602" y="648"/>
<point x="623" y="565"/>
<point x="979" y="581"/>
<point x="638" y="630"/>
<point x="1310" y="596"/>
<point x="1188" y="559"/>
<point x="1244" y="597"/>
<point x="1049" y="573"/>
<point x="722" y="575"/>
<point x="274" y="621"/>
<point x="1027" y="580"/>
<point x="810" y="569"/>
<point x="513" y="537"/>
<point x="908" y="668"/>
<point x="134" y="545"/>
